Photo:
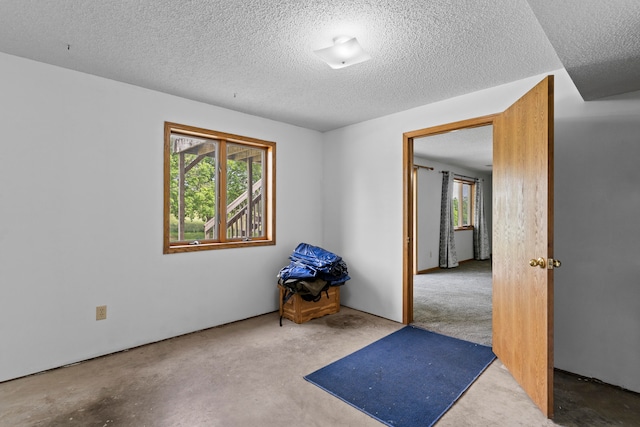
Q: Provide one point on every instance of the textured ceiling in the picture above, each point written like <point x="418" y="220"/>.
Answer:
<point x="256" y="56"/>
<point x="467" y="148"/>
<point x="598" y="42"/>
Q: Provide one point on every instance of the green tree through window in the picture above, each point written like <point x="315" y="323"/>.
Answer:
<point x="218" y="189"/>
<point x="462" y="203"/>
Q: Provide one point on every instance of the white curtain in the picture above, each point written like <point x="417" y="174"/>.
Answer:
<point x="448" y="256"/>
<point x="481" y="250"/>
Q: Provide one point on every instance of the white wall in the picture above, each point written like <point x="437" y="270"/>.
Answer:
<point x="427" y="236"/>
<point x="597" y="203"/>
<point x="597" y="298"/>
<point x="429" y="183"/>
<point x="81" y="219"/>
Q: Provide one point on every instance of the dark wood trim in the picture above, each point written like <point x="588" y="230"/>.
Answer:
<point x="428" y="270"/>
<point x="431" y="270"/>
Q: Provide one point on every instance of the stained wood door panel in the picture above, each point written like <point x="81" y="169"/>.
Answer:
<point x="523" y="230"/>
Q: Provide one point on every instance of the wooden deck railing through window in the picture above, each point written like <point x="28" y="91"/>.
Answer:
<point x="244" y="219"/>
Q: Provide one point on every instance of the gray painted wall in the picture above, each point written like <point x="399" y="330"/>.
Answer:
<point x="597" y="207"/>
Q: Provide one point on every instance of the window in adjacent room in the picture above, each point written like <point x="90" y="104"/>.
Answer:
<point x="462" y="203"/>
<point x="219" y="190"/>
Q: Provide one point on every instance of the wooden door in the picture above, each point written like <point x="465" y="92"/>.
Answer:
<point x="523" y="231"/>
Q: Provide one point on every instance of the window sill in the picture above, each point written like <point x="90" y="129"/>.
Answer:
<point x="187" y="247"/>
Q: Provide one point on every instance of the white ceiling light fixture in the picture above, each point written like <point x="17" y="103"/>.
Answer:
<point x="344" y="52"/>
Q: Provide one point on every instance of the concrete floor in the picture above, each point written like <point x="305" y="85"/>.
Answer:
<point x="250" y="373"/>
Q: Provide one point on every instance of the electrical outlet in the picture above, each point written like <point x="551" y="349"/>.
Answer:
<point x="101" y="312"/>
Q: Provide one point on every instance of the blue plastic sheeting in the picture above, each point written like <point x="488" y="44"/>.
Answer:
<point x="314" y="256"/>
<point x="296" y="270"/>
<point x="313" y="262"/>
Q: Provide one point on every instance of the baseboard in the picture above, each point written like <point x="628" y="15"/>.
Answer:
<point x="429" y="270"/>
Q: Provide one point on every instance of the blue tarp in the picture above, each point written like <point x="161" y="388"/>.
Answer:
<point x="313" y="262"/>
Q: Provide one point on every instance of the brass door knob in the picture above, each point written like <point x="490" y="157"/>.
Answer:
<point x="540" y="262"/>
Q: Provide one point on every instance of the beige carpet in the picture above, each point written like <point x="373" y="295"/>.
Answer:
<point x="456" y="301"/>
<point x="250" y="373"/>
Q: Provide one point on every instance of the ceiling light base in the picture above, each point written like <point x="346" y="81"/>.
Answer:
<point x="345" y="51"/>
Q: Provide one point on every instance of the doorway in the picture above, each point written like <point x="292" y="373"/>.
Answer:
<point x="522" y="246"/>
<point x="454" y="301"/>
<point x="410" y="183"/>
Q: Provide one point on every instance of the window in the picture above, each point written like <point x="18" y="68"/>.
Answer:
<point x="462" y="203"/>
<point x="219" y="190"/>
